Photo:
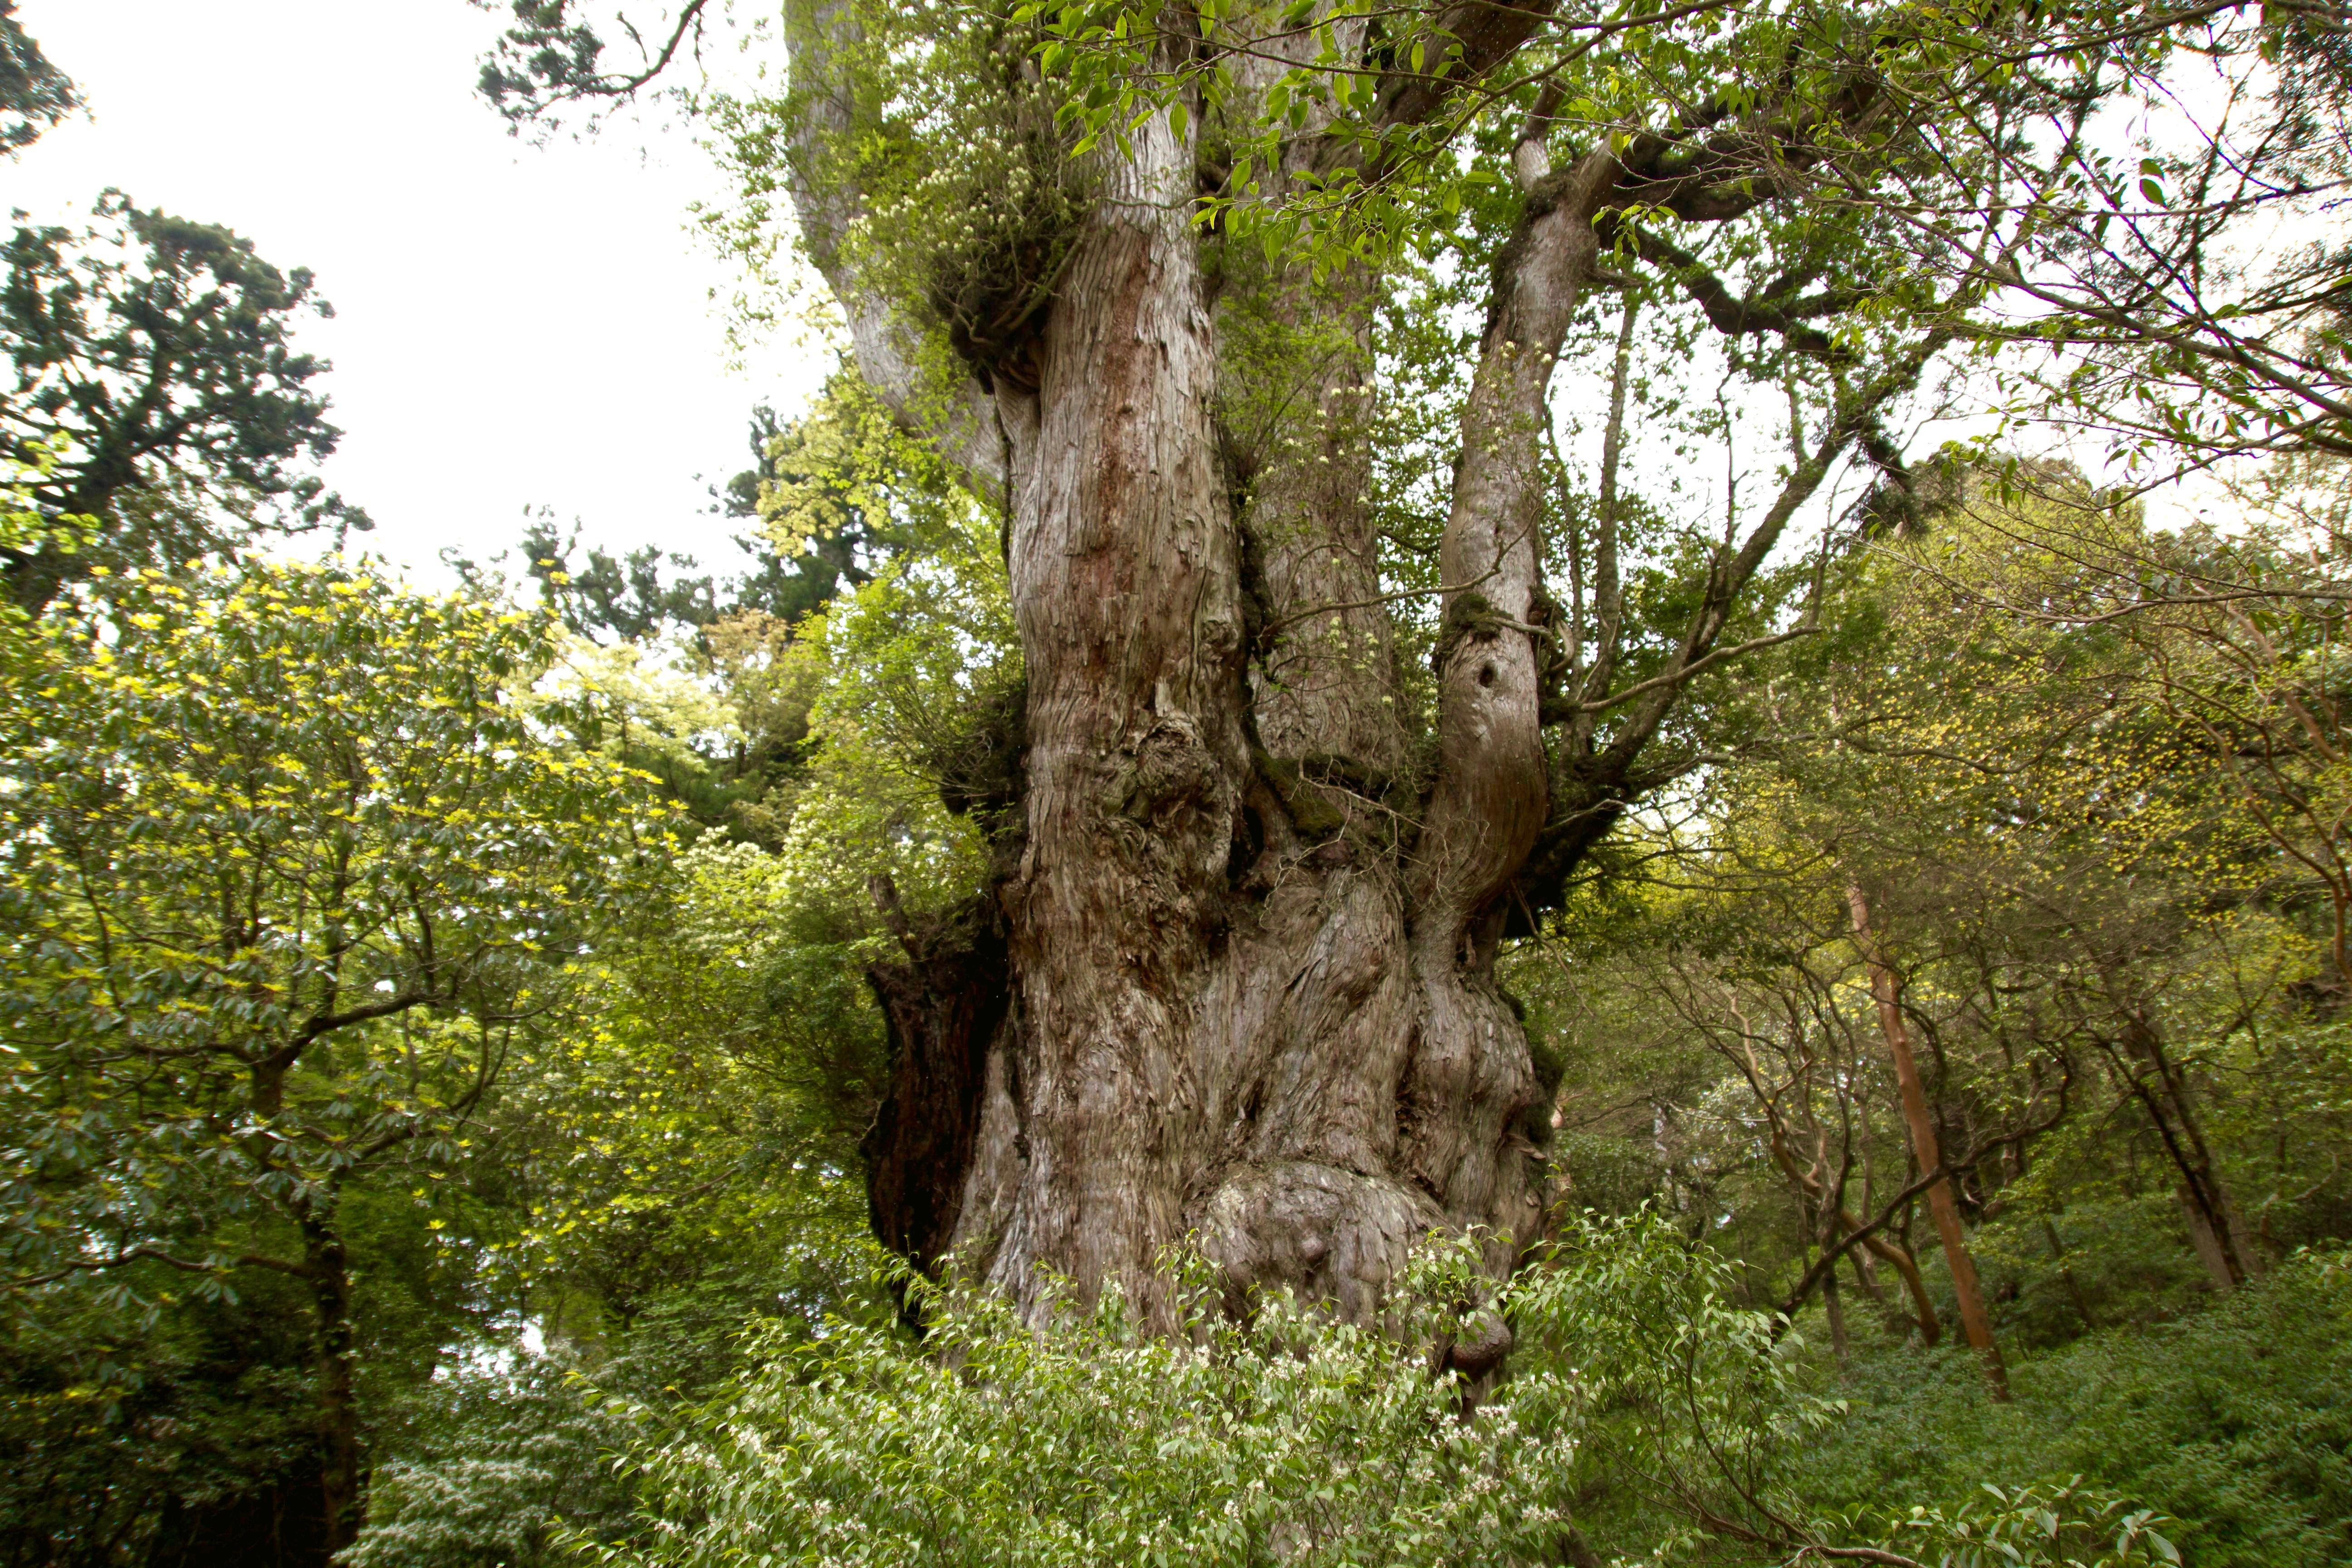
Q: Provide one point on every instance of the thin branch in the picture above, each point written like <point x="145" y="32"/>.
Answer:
<point x="144" y="1254"/>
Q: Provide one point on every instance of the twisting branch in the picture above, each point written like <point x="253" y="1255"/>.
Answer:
<point x="157" y="1255"/>
<point x="1860" y="1236"/>
<point x="1946" y="1168"/>
<point x="1781" y="310"/>
<point x="559" y="62"/>
<point x="1696" y="667"/>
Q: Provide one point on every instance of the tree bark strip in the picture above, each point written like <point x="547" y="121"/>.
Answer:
<point x="1943" y="1203"/>
<point x="342" y="1472"/>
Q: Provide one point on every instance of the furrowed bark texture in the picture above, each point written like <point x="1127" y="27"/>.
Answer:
<point x="1125" y="583"/>
<point x="1247" y="995"/>
<point x="1249" y="1010"/>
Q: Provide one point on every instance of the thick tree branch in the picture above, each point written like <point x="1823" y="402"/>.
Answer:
<point x="1487" y="33"/>
<point x="947" y="408"/>
<point x="1679" y="676"/>
<point x="1778" y="310"/>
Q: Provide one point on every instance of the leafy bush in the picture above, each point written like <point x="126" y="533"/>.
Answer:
<point x="495" y="1457"/>
<point x="2233" y="1419"/>
<point x="1286" y="1436"/>
<point x="1289" y="1435"/>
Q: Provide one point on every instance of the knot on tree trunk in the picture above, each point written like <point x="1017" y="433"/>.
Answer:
<point x="1468" y="613"/>
<point x="1481" y="1346"/>
<point x="1332" y="1235"/>
<point x="1169" y="770"/>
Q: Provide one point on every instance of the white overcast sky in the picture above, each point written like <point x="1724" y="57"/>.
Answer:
<point x="515" y="326"/>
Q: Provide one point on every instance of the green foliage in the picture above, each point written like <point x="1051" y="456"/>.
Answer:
<point x="1638" y="1399"/>
<point x="685" y="1151"/>
<point x="492" y="1461"/>
<point x="292" y="871"/>
<point x="970" y="194"/>
<point x="2059" y="1524"/>
<point x="1288" y="1435"/>
<point x="25" y="531"/>
<point x="2231" y="1420"/>
<point x="848" y="472"/>
<point x="1684" y="1408"/>
<point x="2111" y="908"/>
<point x="110" y="1420"/>
<point x="344" y="937"/>
<point x="828" y="496"/>
<point x="287" y="865"/>
<point x="154" y="358"/>
<point x="720" y="686"/>
<point x="34" y="94"/>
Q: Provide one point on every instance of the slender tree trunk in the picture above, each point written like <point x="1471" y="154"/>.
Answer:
<point x="2216" y="1228"/>
<point x="2206" y="1241"/>
<point x="1942" y="1203"/>
<point x="1835" y="1308"/>
<point x="1861" y="1279"/>
<point x="2066" y="1272"/>
<point x="341" y="1474"/>
<point x="1841" y="1221"/>
<point x="1861" y="1272"/>
<point x="1900" y="1258"/>
<point x="1825" y="1231"/>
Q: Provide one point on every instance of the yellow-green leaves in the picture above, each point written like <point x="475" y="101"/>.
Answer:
<point x="285" y="868"/>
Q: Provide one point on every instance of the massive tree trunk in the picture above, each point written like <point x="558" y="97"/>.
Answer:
<point x="1244" y="1007"/>
<point x="1248" y="990"/>
<point x="1243" y="1011"/>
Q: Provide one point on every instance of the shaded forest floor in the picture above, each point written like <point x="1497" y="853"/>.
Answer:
<point x="2236" y="1419"/>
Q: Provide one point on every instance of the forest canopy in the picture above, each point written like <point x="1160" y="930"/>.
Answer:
<point x="1494" y="782"/>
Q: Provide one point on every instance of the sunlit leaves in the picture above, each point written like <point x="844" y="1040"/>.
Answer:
<point x="1285" y="1434"/>
<point x="288" y="862"/>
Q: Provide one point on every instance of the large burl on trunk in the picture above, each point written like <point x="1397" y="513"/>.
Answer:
<point x="1236" y="979"/>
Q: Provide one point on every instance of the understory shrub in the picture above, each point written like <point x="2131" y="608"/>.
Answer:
<point x="2236" y="1420"/>
<point x="1284" y="1436"/>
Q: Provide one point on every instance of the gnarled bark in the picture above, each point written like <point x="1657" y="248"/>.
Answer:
<point x="1246" y="994"/>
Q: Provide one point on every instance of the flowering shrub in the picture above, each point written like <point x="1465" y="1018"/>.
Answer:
<point x="1288" y="1436"/>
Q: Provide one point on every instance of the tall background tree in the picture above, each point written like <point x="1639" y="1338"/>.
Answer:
<point x="154" y="358"/>
<point x="289" y="869"/>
